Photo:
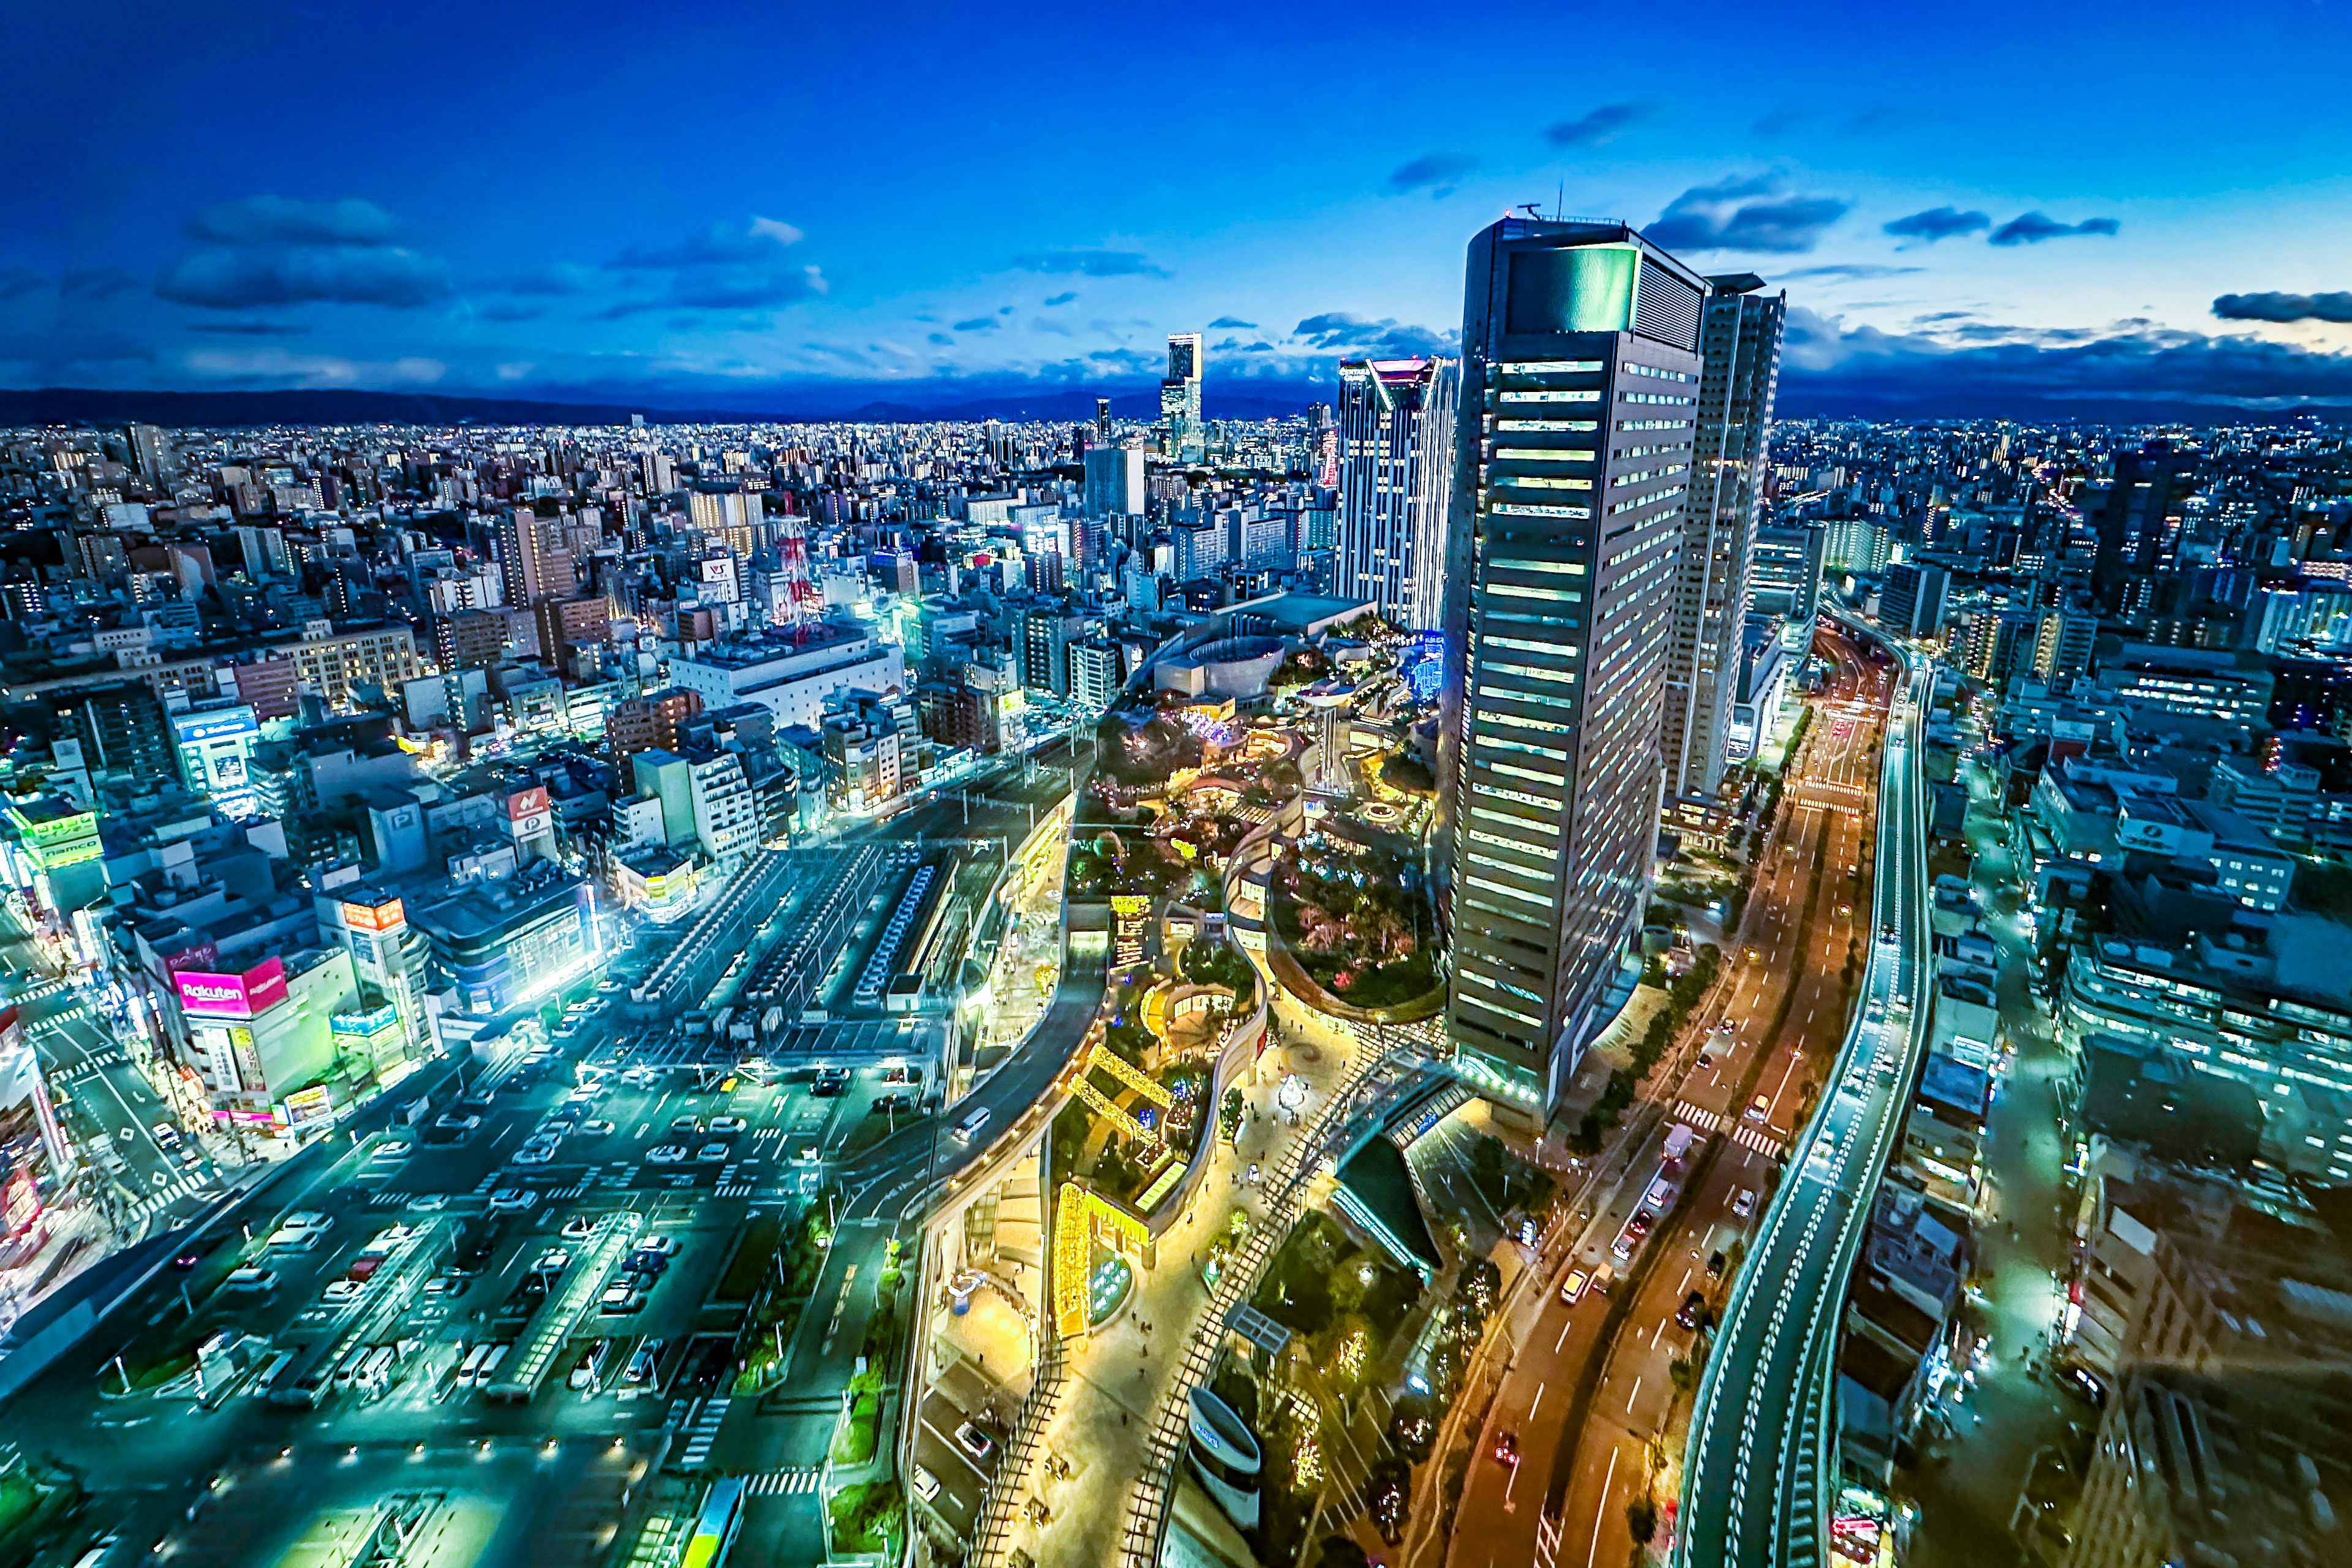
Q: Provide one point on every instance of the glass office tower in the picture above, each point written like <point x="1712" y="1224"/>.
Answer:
<point x="1396" y="484"/>
<point x="1579" y="388"/>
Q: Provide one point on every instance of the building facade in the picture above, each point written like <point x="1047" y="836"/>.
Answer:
<point x="1396" y="484"/>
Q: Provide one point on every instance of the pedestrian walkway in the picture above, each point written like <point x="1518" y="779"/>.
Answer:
<point x="1756" y="1140"/>
<point x="704" y="1432"/>
<point x="1704" y="1120"/>
<point x="783" y="1483"/>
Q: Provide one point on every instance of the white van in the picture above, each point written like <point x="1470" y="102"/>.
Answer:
<point x="375" y="1373"/>
<point x="973" y="1121"/>
<point x="486" y="1375"/>
<point x="348" y="1369"/>
<point x="470" y="1371"/>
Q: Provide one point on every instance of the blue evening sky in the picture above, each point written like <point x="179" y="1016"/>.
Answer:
<point x="773" y="206"/>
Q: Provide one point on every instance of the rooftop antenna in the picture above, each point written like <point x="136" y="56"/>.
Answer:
<point x="1533" y="209"/>
<point x="1559" y="200"/>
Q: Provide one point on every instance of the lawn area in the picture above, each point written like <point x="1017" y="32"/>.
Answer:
<point x="866" y="1516"/>
<point x="854" y="1439"/>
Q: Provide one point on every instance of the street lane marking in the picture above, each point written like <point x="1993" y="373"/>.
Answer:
<point x="1601" y="1512"/>
<point x="1637" y="1388"/>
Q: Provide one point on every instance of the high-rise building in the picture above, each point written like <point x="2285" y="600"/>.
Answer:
<point x="1784" y="570"/>
<point x="1739" y="348"/>
<point x="1396" y="484"/>
<point x="1114" y="481"/>
<point x="1180" y="393"/>
<point x="2137" y="519"/>
<point x="1912" y="602"/>
<point x="1579" y="345"/>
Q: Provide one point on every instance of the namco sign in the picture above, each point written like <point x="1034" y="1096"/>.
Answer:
<point x="207" y="995"/>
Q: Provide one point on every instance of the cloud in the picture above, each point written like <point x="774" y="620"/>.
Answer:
<point x="2273" y="306"/>
<point x="49" y="352"/>
<point x="275" y="251"/>
<point x="1091" y="263"/>
<point x="555" y="278"/>
<point x="1433" y="171"/>
<point x="282" y="220"/>
<point x="733" y="264"/>
<point x="1945" y="316"/>
<point x="1064" y="298"/>
<point x="1829" y="363"/>
<point x="248" y="329"/>
<point x="1752" y="214"/>
<point x="96" y="283"/>
<point x="1854" y="270"/>
<point x="1781" y="121"/>
<point x="938" y="337"/>
<point x="1937" y="223"/>
<point x="285" y="367"/>
<point x="239" y="277"/>
<point x="507" y="310"/>
<point x="977" y="324"/>
<point x="2033" y="227"/>
<point x="15" y="282"/>
<point x="1599" y="125"/>
<point x="1047" y="324"/>
<point x="1358" y="336"/>
<point x="1235" y="322"/>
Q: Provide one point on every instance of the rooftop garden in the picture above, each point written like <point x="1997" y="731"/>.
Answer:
<point x="1358" y="919"/>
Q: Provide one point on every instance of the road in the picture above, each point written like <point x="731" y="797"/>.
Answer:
<point x="1570" y="1498"/>
<point x="1753" y="1487"/>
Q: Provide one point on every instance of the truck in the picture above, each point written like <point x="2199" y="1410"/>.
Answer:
<point x="1679" y="1138"/>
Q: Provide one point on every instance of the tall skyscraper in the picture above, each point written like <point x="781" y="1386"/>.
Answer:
<point x="1114" y="481"/>
<point x="1580" y="347"/>
<point x="1739" y="352"/>
<point x="1396" y="484"/>
<point x="1180" y="393"/>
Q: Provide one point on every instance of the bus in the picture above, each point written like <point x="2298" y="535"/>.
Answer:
<point x="714" y="1533"/>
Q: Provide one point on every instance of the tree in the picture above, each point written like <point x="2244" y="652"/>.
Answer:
<point x="1642" y="1520"/>
<point x="1390" y="1492"/>
<point x="1338" y="1551"/>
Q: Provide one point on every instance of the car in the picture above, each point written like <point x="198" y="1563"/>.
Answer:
<point x="554" y="1260"/>
<point x="625" y="1296"/>
<point x="1693" y="1308"/>
<point x="339" y="1291"/>
<point x="1639" y="1225"/>
<point x="579" y="1227"/>
<point x="591" y="1361"/>
<point x="641" y="1365"/>
<point x="512" y="1200"/>
<point x="685" y="1126"/>
<point x="727" y="1124"/>
<point x="595" y="1126"/>
<point x="166" y="1134"/>
<point x="533" y="1154"/>
<point x="393" y="1148"/>
<point x="429" y="1203"/>
<point x="710" y="1151"/>
<point x="364" y="1268"/>
<point x="649" y="1264"/>
<point x="890" y="1104"/>
<point x="665" y="1153"/>
<point x="974" y="1441"/>
<point x="1573" y="1285"/>
<point x="665" y="1245"/>
<point x="1716" y="1262"/>
<point x="189" y="1157"/>
<point x="1507" y="1450"/>
<point x="926" y="1485"/>
<point x="1762" y="1109"/>
<point x="1705" y="1060"/>
<point x="250" y="1276"/>
<point x="807" y="1154"/>
<point x="1744" y="1203"/>
<point x="455" y="1122"/>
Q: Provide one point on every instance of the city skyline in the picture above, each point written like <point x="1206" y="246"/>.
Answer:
<point x="575" y="216"/>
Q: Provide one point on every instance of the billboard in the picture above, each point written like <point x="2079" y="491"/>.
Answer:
<point x="217" y="754"/>
<point x="390" y="915"/>
<point x="205" y="993"/>
<point x="528" y="814"/>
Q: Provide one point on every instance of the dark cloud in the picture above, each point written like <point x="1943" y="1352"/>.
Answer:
<point x="1434" y="171"/>
<point x="555" y="278"/>
<point x="96" y="283"/>
<point x="1064" y="298"/>
<point x="248" y="329"/>
<point x="730" y="265"/>
<point x="52" y="353"/>
<point x="1781" y="121"/>
<point x="1235" y="346"/>
<point x="1945" y="316"/>
<point x="1829" y="364"/>
<point x="1599" y="125"/>
<point x="2032" y="228"/>
<point x="940" y="338"/>
<point x="239" y="277"/>
<point x="1091" y="263"/>
<point x="1235" y="322"/>
<point x="977" y="324"/>
<point x="2275" y="307"/>
<point x="15" y="282"/>
<point x="1351" y="334"/>
<point x="275" y="251"/>
<point x="1752" y="213"/>
<point x="509" y="310"/>
<point x="1856" y="270"/>
<point x="282" y="220"/>
<point x="1937" y="223"/>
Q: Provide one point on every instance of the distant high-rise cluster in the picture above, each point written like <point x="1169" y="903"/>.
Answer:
<point x="1179" y="395"/>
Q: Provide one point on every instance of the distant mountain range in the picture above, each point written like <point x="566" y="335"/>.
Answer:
<point x="1801" y="397"/>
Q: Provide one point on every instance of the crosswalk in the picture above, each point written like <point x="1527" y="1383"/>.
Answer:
<point x="170" y="1193"/>
<point x="704" y="1432"/>
<point x="1705" y="1121"/>
<point x="782" y="1483"/>
<point x="1758" y="1141"/>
